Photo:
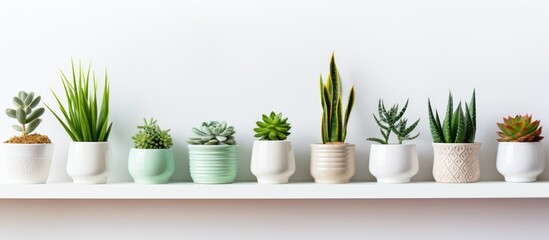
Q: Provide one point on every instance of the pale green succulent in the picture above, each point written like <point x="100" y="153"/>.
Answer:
<point x="25" y="112"/>
<point x="213" y="133"/>
<point x="150" y="136"/>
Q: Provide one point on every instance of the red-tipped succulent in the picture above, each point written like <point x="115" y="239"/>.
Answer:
<point x="519" y="129"/>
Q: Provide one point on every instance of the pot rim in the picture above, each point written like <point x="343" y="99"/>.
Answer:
<point x="210" y="146"/>
<point x="393" y="144"/>
<point x="27" y="144"/>
<point x="456" y="144"/>
<point x="89" y="143"/>
<point x="520" y="143"/>
<point x="332" y="145"/>
<point x="271" y="141"/>
<point x="151" y="150"/>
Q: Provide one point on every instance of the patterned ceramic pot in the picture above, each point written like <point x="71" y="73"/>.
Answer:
<point x="27" y="163"/>
<point x="456" y="162"/>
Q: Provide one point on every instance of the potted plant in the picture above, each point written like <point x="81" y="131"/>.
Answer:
<point x="455" y="151"/>
<point x="393" y="163"/>
<point x="273" y="158"/>
<point x="520" y="157"/>
<point x="151" y="158"/>
<point x="27" y="158"/>
<point x="87" y="124"/>
<point x="213" y="153"/>
<point x="333" y="161"/>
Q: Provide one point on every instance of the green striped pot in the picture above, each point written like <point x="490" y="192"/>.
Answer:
<point x="213" y="164"/>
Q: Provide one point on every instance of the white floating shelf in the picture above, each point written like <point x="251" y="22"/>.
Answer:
<point x="366" y="190"/>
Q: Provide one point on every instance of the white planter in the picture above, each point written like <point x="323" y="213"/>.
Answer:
<point x="27" y="163"/>
<point x="393" y="163"/>
<point x="273" y="161"/>
<point x="332" y="163"/>
<point x="520" y="161"/>
<point x="88" y="162"/>
<point x="456" y="162"/>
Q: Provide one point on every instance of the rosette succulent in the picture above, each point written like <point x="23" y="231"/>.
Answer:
<point x="519" y="129"/>
<point x="273" y="127"/>
<point x="150" y="136"/>
<point x="213" y="133"/>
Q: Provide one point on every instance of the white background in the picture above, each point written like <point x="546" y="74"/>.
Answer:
<point x="191" y="61"/>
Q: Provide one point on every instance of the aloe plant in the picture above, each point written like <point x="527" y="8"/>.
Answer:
<point x="519" y="129"/>
<point x="459" y="126"/>
<point x="334" y="123"/>
<point x="85" y="120"/>
<point x="273" y="127"/>
<point x="392" y="121"/>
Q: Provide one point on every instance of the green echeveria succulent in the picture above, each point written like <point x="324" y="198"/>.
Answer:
<point x="519" y="129"/>
<point x="24" y="113"/>
<point x="213" y="133"/>
<point x="150" y="136"/>
<point x="273" y="127"/>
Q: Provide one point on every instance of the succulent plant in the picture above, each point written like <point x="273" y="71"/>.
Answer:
<point x="519" y="129"/>
<point x="213" y="133"/>
<point x="85" y="120"/>
<point x="25" y="112"/>
<point x="150" y="136"/>
<point x="273" y="127"/>
<point x="459" y="126"/>
<point x="392" y="121"/>
<point x="334" y="126"/>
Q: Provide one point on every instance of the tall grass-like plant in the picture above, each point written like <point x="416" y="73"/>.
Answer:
<point x="85" y="120"/>
<point x="334" y="124"/>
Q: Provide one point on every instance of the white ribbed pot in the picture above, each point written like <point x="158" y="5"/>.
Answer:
<point x="520" y="161"/>
<point x="273" y="161"/>
<point x="456" y="162"/>
<point x="393" y="163"/>
<point x="89" y="162"/>
<point x="27" y="163"/>
<point x="332" y="163"/>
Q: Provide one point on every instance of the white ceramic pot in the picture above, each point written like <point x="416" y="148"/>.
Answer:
<point x="520" y="161"/>
<point x="272" y="161"/>
<point x="332" y="163"/>
<point x="393" y="163"/>
<point x="27" y="163"/>
<point x="89" y="162"/>
<point x="456" y="162"/>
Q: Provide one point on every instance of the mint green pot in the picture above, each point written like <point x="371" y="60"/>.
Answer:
<point x="151" y="166"/>
<point x="213" y="164"/>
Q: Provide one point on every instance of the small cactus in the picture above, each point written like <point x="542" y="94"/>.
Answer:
<point x="150" y="136"/>
<point x="213" y="133"/>
<point x="273" y="127"/>
<point x="24" y="112"/>
<point x="519" y="129"/>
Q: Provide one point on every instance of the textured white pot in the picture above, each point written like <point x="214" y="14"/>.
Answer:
<point x="456" y="162"/>
<point x="393" y="163"/>
<point x="88" y="162"/>
<point x="332" y="163"/>
<point x="272" y="161"/>
<point x="27" y="163"/>
<point x="520" y="161"/>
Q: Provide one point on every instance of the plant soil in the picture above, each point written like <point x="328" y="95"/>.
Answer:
<point x="34" y="138"/>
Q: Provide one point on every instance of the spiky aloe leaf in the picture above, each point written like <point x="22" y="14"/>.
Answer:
<point x="447" y="123"/>
<point x="436" y="128"/>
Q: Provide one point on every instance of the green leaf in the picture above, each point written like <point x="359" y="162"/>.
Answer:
<point x="33" y="125"/>
<point x="449" y="137"/>
<point x="21" y="115"/>
<point x="17" y="128"/>
<point x="11" y="113"/>
<point x="461" y="130"/>
<point x="436" y="129"/>
<point x="377" y="140"/>
<point x="35" y="102"/>
<point x="350" y="104"/>
<point x="17" y="102"/>
<point x="35" y="115"/>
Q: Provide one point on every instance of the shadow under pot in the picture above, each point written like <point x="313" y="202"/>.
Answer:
<point x="332" y="163"/>
<point x="27" y="163"/>
<point x="393" y="163"/>
<point x="273" y="162"/>
<point x="520" y="161"/>
<point x="151" y="166"/>
<point x="89" y="162"/>
<point x="213" y="164"/>
<point x="456" y="162"/>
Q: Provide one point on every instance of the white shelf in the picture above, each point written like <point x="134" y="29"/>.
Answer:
<point x="367" y="190"/>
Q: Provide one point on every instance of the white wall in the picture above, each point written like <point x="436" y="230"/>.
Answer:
<point x="185" y="62"/>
